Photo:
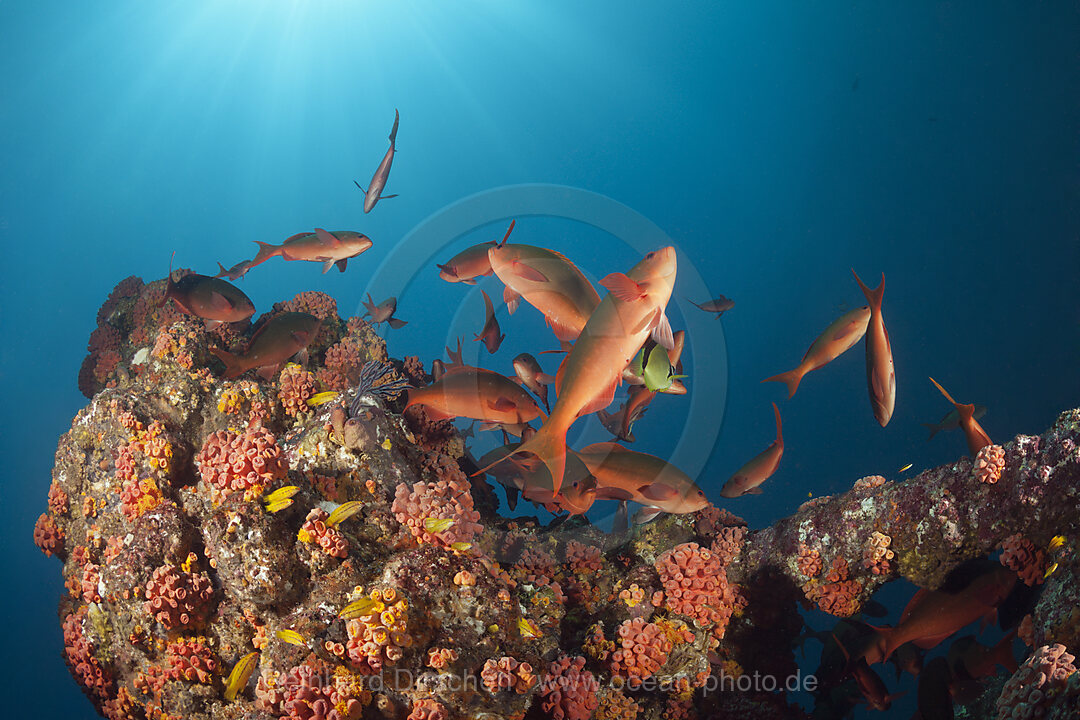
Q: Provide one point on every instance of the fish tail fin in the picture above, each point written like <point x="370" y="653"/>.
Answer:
<point x="933" y="428"/>
<point x="791" y="378"/>
<point x="393" y="130"/>
<point x="779" y="425"/>
<point x="234" y="364"/>
<point x="266" y="251"/>
<point x="549" y="445"/>
<point x="966" y="411"/>
<point x="873" y="297"/>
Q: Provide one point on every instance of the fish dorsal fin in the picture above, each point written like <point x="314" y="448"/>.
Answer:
<point x="294" y="238"/>
<point x="623" y="287"/>
<point x="326" y="238"/>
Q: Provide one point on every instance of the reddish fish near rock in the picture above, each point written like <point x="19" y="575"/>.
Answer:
<point x="383" y="312"/>
<point x="211" y="299"/>
<point x="532" y="376"/>
<point x="471" y="263"/>
<point x="548" y="281"/>
<point x="328" y="248"/>
<point x="490" y="334"/>
<point x="844" y="332"/>
<point x="976" y="437"/>
<point x="275" y="342"/>
<point x="478" y="394"/>
<point x="718" y="305"/>
<point x="373" y="194"/>
<point x="750" y="476"/>
<point x="951" y="421"/>
<point x="869" y="682"/>
<point x="623" y="474"/>
<point x="933" y="615"/>
<point x="880" y="375"/>
<point x="621" y="423"/>
<point x="589" y="375"/>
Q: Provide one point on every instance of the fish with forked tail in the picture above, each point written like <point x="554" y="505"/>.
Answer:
<point x="750" y="476"/>
<point x="328" y="248"/>
<point x="373" y="194"/>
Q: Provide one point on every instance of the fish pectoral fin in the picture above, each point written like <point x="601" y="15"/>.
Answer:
<point x="661" y="331"/>
<point x="527" y="272"/>
<point x="545" y="379"/>
<point x="501" y="405"/>
<point x="387" y="197"/>
<point x="267" y="372"/>
<point x="658" y="491"/>
<point x="623" y="288"/>
<point x="756" y="490"/>
<point x="512" y="299"/>
<point x="219" y="301"/>
<point x="327" y="238"/>
<point x="360" y="186"/>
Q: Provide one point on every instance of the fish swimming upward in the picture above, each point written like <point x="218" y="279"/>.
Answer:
<point x="750" y="476"/>
<point x="589" y="375"/>
<point x="236" y="272"/>
<point x="471" y="262"/>
<point x="383" y="312"/>
<point x="976" y="437"/>
<point x="328" y="248"/>
<point x="549" y="282"/>
<point x="880" y="375"/>
<point x="275" y="342"/>
<point x="373" y="194"/>
<point x="843" y="333"/>
<point x="490" y="335"/>
<point x="951" y="421"/>
<point x="478" y="394"/>
<point x="211" y="299"/>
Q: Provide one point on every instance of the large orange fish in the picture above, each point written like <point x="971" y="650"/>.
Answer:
<point x="976" y="437"/>
<point x="471" y="263"/>
<point x="478" y="394"/>
<point x="933" y="615"/>
<point x="589" y="375"/>
<point x="548" y="281"/>
<point x="328" y="248"/>
<point x="880" y="376"/>
<point x="623" y="474"/>
<point x="275" y="342"/>
<point x="750" y="476"/>
<point x="844" y="332"/>
<point x="211" y="299"/>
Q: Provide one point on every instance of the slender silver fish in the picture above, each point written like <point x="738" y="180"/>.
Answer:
<point x="373" y="194"/>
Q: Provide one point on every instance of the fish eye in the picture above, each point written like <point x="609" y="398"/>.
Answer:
<point x="650" y="255"/>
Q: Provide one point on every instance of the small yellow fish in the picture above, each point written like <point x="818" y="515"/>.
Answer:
<point x="240" y="675"/>
<point x="437" y="525"/>
<point x="386" y="444"/>
<point x="1050" y="570"/>
<point x="905" y="468"/>
<point x="322" y="398"/>
<point x="282" y="493"/>
<point x="279" y="505"/>
<point x="528" y="628"/>
<point x="460" y="546"/>
<point x="1055" y="542"/>
<point x="357" y="608"/>
<point x="291" y="636"/>
<point x="343" y="512"/>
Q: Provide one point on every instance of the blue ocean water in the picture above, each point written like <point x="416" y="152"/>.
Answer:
<point x="778" y="145"/>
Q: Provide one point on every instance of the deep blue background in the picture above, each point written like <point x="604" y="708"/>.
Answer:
<point x="779" y="144"/>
